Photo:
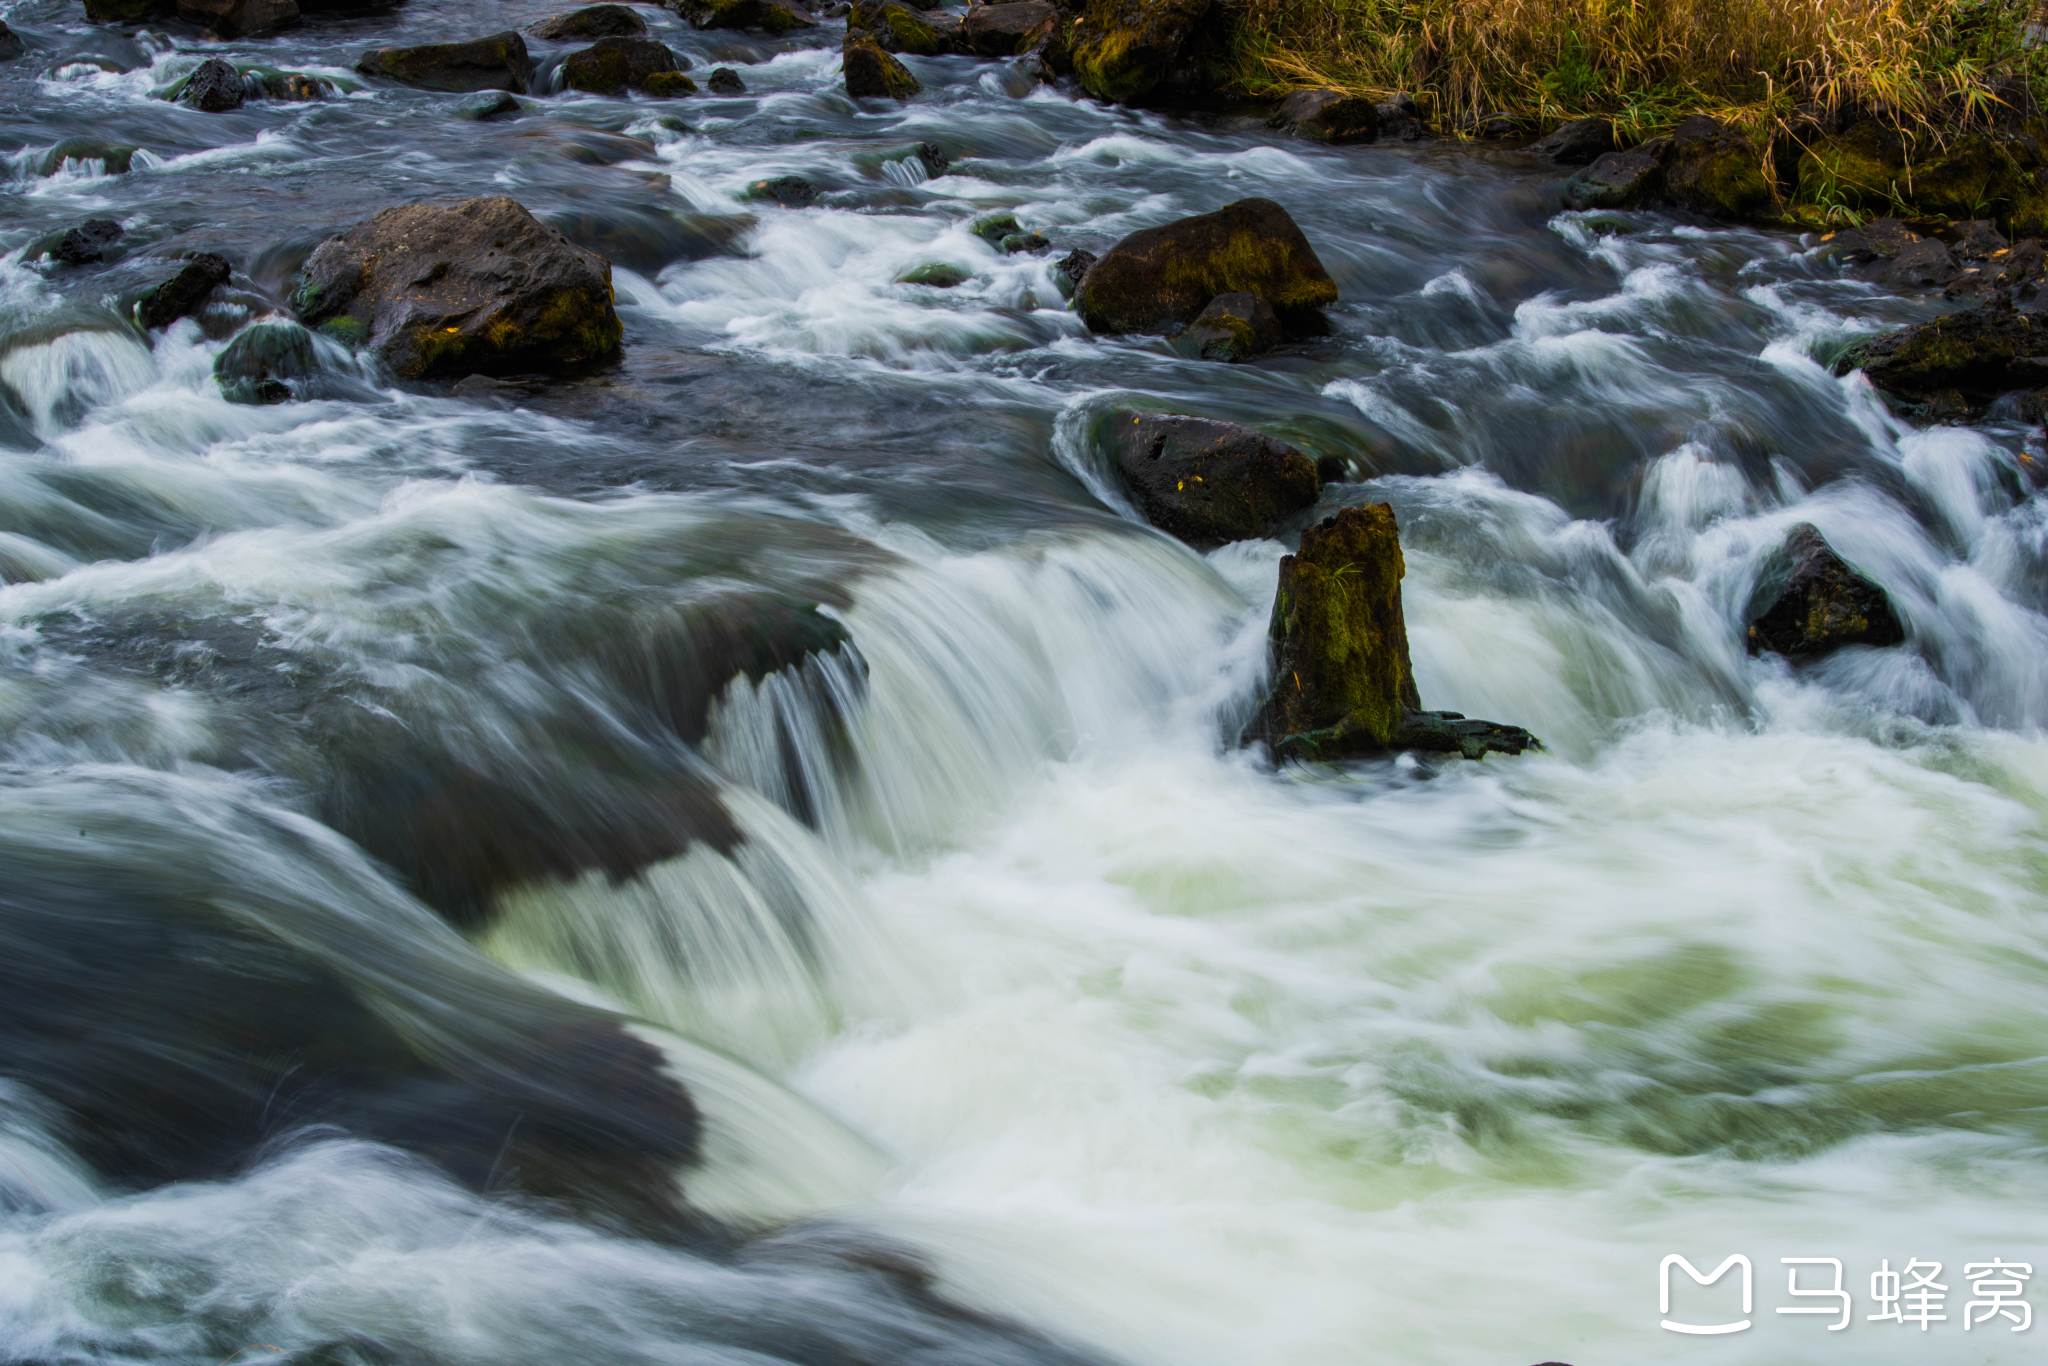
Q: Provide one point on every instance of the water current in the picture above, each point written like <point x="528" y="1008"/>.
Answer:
<point x="977" y="939"/>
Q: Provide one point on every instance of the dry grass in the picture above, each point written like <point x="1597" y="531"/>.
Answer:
<point x="1647" y="63"/>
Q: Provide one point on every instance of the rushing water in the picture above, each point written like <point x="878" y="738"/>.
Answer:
<point x="976" y="938"/>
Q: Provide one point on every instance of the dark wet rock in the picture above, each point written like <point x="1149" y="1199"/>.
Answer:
<point x="215" y="87"/>
<point x="1209" y="482"/>
<point x="790" y="191"/>
<point x="1881" y="239"/>
<point x="1026" y="243"/>
<point x="1978" y="239"/>
<point x="1952" y="367"/>
<point x="1328" y="116"/>
<point x="1234" y="327"/>
<point x="769" y="16"/>
<point x="479" y="286"/>
<point x="873" y="74"/>
<point x="86" y="243"/>
<point x="1401" y="120"/>
<point x="897" y="28"/>
<point x="937" y="274"/>
<point x="114" y="157"/>
<point x="292" y="87"/>
<point x="992" y="228"/>
<point x="936" y="162"/>
<point x="646" y="237"/>
<point x="261" y="362"/>
<point x="235" y="18"/>
<point x="1070" y="270"/>
<point x="490" y="105"/>
<point x="1129" y="51"/>
<point x="127" y="11"/>
<point x="1343" y="686"/>
<point x="1008" y="29"/>
<point x="665" y="85"/>
<point x="182" y="294"/>
<point x="1926" y="262"/>
<point x="611" y="66"/>
<point x="1578" y="143"/>
<point x="725" y="81"/>
<point x="1810" y="601"/>
<point x="1710" y="169"/>
<point x="1620" y="180"/>
<point x="1495" y="127"/>
<point x="498" y="62"/>
<point x="592" y="21"/>
<point x="11" y="45"/>
<point x="1160" y="279"/>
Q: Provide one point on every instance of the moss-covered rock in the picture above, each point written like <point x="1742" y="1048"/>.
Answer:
<point x="1713" y="171"/>
<point x="234" y="18"/>
<point x="1129" y="51"/>
<point x="897" y="28"/>
<point x="259" y="365"/>
<point x="1234" y="327"/>
<point x="611" y="66"/>
<point x="1009" y="29"/>
<point x="114" y="157"/>
<point x="479" y="286"/>
<point x="1952" y="367"/>
<point x="1160" y="279"/>
<point x="1209" y="482"/>
<point x="769" y="16"/>
<point x="873" y="74"/>
<point x="935" y="274"/>
<point x="592" y="21"/>
<point x="1810" y="602"/>
<point x="499" y="62"/>
<point x="1332" y="116"/>
<point x="666" y="85"/>
<point x="184" y="293"/>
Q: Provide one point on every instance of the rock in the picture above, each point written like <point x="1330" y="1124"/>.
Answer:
<point x="1952" y="367"/>
<point x="1342" y="683"/>
<point x="992" y="228"/>
<point x="790" y="191"/>
<point x="1031" y="243"/>
<point x="1009" y="29"/>
<point x="1979" y="239"/>
<point x="1401" y="120"/>
<point x="1234" y="327"/>
<point x="1926" y="262"/>
<point x="1578" y="143"/>
<point x="11" y="45"/>
<point x="938" y="275"/>
<point x="478" y="286"/>
<point x="1209" y="483"/>
<point x="182" y="294"/>
<point x="488" y="106"/>
<point x="114" y="157"/>
<point x="260" y="362"/>
<point x="297" y="87"/>
<point x="1620" y="180"/>
<point x="664" y="85"/>
<point x="936" y="162"/>
<point x="725" y="81"/>
<point x="873" y="74"/>
<point x="498" y="62"/>
<point x="234" y="18"/>
<point x="1131" y="50"/>
<point x="1328" y="116"/>
<point x="1493" y="127"/>
<point x="215" y="87"/>
<point x="1881" y="239"/>
<point x="610" y="66"/>
<point x="127" y="11"/>
<point x="86" y="243"/>
<point x="592" y="21"/>
<point x="1811" y="602"/>
<point x="1160" y="279"/>
<point x="1712" y="170"/>
<point x="770" y="16"/>
<point x="1070" y="270"/>
<point x="897" y="28"/>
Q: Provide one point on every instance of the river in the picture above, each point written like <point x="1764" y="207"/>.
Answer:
<point x="984" y="941"/>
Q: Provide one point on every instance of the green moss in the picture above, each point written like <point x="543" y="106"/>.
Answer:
<point x="346" y="329"/>
<point x="667" y="85"/>
<point x="908" y="33"/>
<point x="597" y="71"/>
<point x="937" y="274"/>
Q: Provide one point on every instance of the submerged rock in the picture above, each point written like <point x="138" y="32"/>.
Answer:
<point x="498" y="62"/>
<point x="1209" y="483"/>
<point x="1234" y="327"/>
<point x="1160" y="279"/>
<point x="1812" y="602"/>
<point x="790" y="191"/>
<point x="1328" y="116"/>
<point x="479" y="286"/>
<point x="1131" y="50"/>
<point x="1952" y="367"/>
<point x="215" y="87"/>
<point x="592" y="21"/>
<point x="936" y="274"/>
<point x="262" y="360"/>
<point x="182" y="294"/>
<point x="770" y="16"/>
<point x="1342" y="682"/>
<point x="873" y="74"/>
<point x="611" y="66"/>
<point x="114" y="157"/>
<point x="86" y="243"/>
<point x="1578" y="143"/>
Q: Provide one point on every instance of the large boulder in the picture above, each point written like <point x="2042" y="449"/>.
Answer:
<point x="1160" y="279"/>
<point x="234" y="18"/>
<point x="592" y="21"/>
<point x="498" y="62"/>
<point x="1711" y="169"/>
<point x="182" y="294"/>
<point x="215" y="88"/>
<point x="90" y="241"/>
<point x="1620" y="180"/>
<point x="1577" y="143"/>
<point x="898" y="28"/>
<point x="1010" y="28"/>
<point x="1209" y="482"/>
<point x="479" y="286"/>
<point x="611" y="66"/>
<point x="1810" y="601"/>
<point x="1321" y="115"/>
<point x="769" y="16"/>
<point x="1342" y="682"/>
<point x="873" y="74"/>
<point x="1128" y="51"/>
<point x="1952" y="367"/>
